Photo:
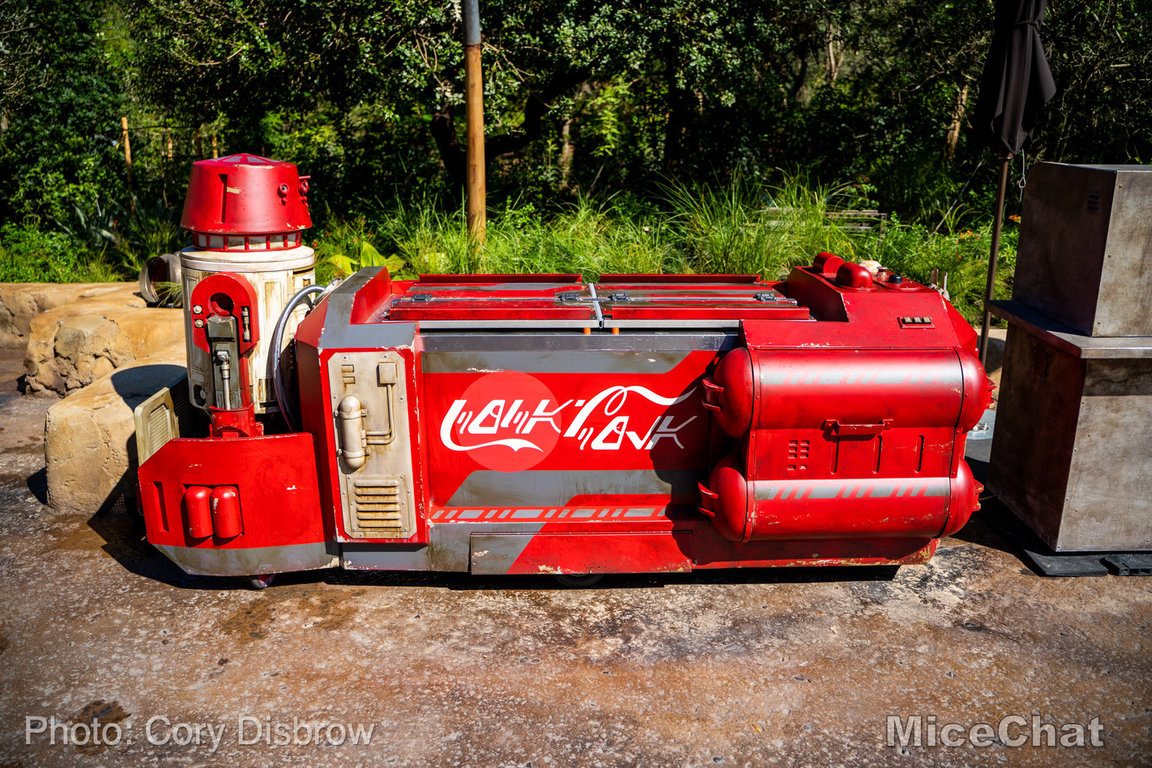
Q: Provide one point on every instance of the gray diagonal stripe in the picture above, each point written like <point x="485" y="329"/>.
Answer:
<point x="556" y="487"/>
<point x="553" y="361"/>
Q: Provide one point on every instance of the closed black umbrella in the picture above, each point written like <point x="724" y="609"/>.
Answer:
<point x="1016" y="85"/>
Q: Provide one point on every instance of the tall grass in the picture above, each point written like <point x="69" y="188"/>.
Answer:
<point x="102" y="244"/>
<point x="915" y="251"/>
<point x="587" y="238"/>
<point x="742" y="228"/>
<point x="754" y="229"/>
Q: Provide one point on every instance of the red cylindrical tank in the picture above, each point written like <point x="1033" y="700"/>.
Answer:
<point x="977" y="390"/>
<point x="770" y="389"/>
<point x="226" y="512"/>
<point x="827" y="263"/>
<point x="198" y="512"/>
<point x="854" y="276"/>
<point x="965" y="499"/>
<point x="731" y="392"/>
<point x="837" y="508"/>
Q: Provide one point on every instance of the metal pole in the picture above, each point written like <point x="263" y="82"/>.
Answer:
<point x="997" y="223"/>
<point x="474" y="118"/>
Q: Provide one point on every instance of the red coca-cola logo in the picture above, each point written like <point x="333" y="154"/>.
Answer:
<point x="511" y="421"/>
<point x="507" y="421"/>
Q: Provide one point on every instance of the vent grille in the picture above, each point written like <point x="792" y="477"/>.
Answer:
<point x="798" y="449"/>
<point x="160" y="425"/>
<point x="378" y="504"/>
<point x="1093" y="202"/>
<point x="162" y="417"/>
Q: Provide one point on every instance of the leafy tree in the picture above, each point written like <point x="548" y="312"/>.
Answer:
<point x="687" y="73"/>
<point x="60" y="114"/>
<point x="1100" y="54"/>
<point x="581" y="96"/>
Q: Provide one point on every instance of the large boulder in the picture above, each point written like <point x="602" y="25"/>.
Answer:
<point x="73" y="345"/>
<point x="90" y="436"/>
<point x="20" y="302"/>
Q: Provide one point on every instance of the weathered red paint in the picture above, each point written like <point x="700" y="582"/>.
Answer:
<point x="226" y="295"/>
<point x="246" y="195"/>
<point x="647" y="424"/>
<point x="267" y="486"/>
<point x="196" y="505"/>
<point x="226" y="522"/>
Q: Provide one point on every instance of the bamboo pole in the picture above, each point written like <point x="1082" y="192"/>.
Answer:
<point x="214" y="153"/>
<point x="474" y="117"/>
<point x="166" y="156"/>
<point x="997" y="224"/>
<point x="127" y="149"/>
<point x="128" y="163"/>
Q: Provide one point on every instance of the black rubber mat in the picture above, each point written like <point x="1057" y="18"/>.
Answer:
<point x="1068" y="565"/>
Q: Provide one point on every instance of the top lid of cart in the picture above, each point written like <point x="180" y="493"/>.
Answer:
<point x="477" y="302"/>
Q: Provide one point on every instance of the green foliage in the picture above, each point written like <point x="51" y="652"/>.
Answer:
<point x="345" y="247"/>
<point x="739" y="229"/>
<point x="582" y="237"/>
<point x="752" y="228"/>
<point x="1099" y="55"/>
<point x="913" y="250"/>
<point x="123" y="240"/>
<point x="61" y="111"/>
<point x="91" y="228"/>
<point x="29" y="255"/>
<point x="584" y="103"/>
<point x="586" y="98"/>
<point x="150" y="230"/>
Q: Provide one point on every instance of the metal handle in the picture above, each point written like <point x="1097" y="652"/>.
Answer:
<point x="707" y="496"/>
<point x="834" y="427"/>
<point x="712" y="390"/>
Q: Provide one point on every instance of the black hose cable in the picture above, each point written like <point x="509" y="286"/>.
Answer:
<point x="274" y="352"/>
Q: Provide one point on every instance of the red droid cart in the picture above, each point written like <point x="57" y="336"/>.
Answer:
<point x="533" y="424"/>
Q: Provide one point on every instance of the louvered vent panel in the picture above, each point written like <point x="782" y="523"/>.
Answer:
<point x="378" y="504"/>
<point x="160" y="426"/>
<point x="1093" y="202"/>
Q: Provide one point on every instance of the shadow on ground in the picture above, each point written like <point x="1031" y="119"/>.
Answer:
<point x="124" y="540"/>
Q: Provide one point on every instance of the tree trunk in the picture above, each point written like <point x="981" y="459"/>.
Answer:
<point x="958" y="113"/>
<point x="835" y="53"/>
<point x="566" y="153"/>
<point x="451" y="152"/>
<point x="448" y="145"/>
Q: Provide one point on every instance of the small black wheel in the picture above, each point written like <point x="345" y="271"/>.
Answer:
<point x="579" y="581"/>
<point x="261" y="581"/>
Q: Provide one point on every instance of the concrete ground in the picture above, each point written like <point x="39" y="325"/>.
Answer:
<point x="747" y="668"/>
